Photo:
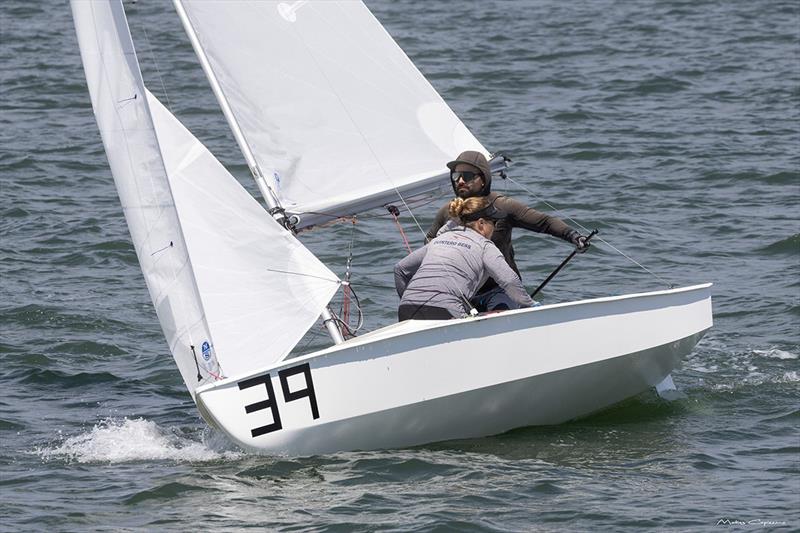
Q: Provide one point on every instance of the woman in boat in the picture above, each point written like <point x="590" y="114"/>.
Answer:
<point x="436" y="281"/>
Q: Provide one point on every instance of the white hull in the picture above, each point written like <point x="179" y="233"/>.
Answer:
<point x="424" y="381"/>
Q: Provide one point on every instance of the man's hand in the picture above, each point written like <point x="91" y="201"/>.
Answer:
<point x="580" y="241"/>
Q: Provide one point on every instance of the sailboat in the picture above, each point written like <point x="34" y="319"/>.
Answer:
<point x="334" y="119"/>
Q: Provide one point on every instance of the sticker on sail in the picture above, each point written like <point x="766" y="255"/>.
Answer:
<point x="277" y="181"/>
<point x="207" y="352"/>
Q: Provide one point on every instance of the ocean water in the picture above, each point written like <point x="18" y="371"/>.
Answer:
<point x="673" y="127"/>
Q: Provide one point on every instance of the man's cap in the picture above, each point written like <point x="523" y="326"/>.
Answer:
<point x="477" y="160"/>
<point x="490" y="212"/>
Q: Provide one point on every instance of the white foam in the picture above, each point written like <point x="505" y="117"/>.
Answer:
<point x="761" y="379"/>
<point x="706" y="370"/>
<point x="124" y="440"/>
<point x="748" y="362"/>
<point x="776" y="354"/>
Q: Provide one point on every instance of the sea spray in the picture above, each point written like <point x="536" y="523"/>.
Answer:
<point x="125" y="440"/>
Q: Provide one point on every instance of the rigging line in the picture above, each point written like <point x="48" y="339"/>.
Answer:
<point x="548" y="204"/>
<point x="337" y="281"/>
<point x="345" y="308"/>
<point x="408" y="208"/>
<point x="597" y="237"/>
<point x="375" y="285"/>
<point x="345" y="327"/>
<point x="158" y="70"/>
<point x="360" y="312"/>
<point x="196" y="364"/>
<point x="394" y="212"/>
<point x="632" y="260"/>
<point x="344" y="323"/>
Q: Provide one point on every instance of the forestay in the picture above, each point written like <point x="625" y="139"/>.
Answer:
<point x="336" y="115"/>
<point x="231" y="288"/>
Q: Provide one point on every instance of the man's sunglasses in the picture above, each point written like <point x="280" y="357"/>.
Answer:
<point x="466" y="175"/>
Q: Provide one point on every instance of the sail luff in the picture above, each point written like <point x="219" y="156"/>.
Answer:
<point x="118" y="99"/>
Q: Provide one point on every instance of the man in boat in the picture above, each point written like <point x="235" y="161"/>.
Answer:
<point x="471" y="176"/>
<point x="437" y="281"/>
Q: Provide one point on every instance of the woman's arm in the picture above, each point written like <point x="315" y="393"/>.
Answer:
<point x="405" y="269"/>
<point x="498" y="269"/>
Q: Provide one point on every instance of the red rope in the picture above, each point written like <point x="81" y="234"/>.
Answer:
<point x="346" y="304"/>
<point x="402" y="233"/>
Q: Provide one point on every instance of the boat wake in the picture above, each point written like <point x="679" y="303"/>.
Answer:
<point x="756" y="378"/>
<point x="724" y="370"/>
<point x="127" y="440"/>
<point x="775" y="353"/>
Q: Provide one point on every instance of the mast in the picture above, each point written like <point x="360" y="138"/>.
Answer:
<point x="255" y="170"/>
<point x="267" y="193"/>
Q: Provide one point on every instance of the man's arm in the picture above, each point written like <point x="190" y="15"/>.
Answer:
<point x="405" y="269"/>
<point x="442" y="216"/>
<point x="525" y="217"/>
<point x="528" y="218"/>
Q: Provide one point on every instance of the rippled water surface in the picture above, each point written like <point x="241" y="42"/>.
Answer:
<point x="673" y="127"/>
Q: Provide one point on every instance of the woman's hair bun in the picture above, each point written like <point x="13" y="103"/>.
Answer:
<point x="460" y="207"/>
<point x="456" y="207"/>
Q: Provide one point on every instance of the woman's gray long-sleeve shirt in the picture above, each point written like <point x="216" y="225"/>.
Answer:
<point x="519" y="215"/>
<point x="450" y="269"/>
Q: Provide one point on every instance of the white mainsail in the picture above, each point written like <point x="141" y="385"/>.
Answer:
<point x="324" y="97"/>
<point x="232" y="289"/>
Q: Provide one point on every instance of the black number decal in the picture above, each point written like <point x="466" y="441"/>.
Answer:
<point x="288" y="396"/>
<point x="258" y="406"/>
<point x="308" y="392"/>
